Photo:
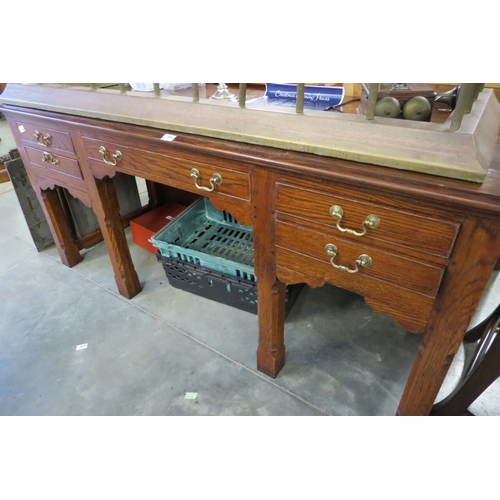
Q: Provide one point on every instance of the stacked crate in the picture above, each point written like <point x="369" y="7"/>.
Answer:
<point x="209" y="253"/>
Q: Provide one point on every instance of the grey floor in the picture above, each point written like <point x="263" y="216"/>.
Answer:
<point x="143" y="355"/>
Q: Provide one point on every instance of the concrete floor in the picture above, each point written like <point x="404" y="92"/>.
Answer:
<point x="143" y="355"/>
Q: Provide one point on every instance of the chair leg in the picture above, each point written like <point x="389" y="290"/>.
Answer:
<point x="483" y="370"/>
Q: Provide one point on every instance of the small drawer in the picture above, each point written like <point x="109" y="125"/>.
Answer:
<point x="45" y="137"/>
<point x="54" y="162"/>
<point x="163" y="168"/>
<point x="343" y="259"/>
<point x="368" y="223"/>
<point x="411" y="310"/>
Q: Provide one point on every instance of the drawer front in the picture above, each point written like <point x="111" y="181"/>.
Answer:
<point x="423" y="234"/>
<point x="46" y="138"/>
<point x="411" y="310"/>
<point x="55" y="162"/>
<point x="163" y="168"/>
<point x="394" y="269"/>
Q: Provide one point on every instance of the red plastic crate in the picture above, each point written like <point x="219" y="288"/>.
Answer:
<point x="148" y="224"/>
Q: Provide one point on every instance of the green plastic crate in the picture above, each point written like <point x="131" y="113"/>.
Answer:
<point x="204" y="236"/>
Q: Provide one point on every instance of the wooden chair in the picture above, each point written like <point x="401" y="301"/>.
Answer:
<point x="484" y="366"/>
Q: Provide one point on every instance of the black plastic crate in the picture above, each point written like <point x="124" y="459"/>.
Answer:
<point x="218" y="286"/>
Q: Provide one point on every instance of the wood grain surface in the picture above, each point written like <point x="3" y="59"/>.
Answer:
<point x="435" y="248"/>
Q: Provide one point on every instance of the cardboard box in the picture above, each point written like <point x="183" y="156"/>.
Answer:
<point x="148" y="224"/>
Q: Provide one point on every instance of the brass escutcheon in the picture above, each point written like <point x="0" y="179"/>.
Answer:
<point x="363" y="260"/>
<point x="215" y="179"/>
<point x="371" y="221"/>
<point x="116" y="156"/>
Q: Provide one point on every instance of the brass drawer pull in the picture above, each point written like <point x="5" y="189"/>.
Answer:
<point x="216" y="179"/>
<point x="44" y="140"/>
<point x="363" y="260"/>
<point x="371" y="221"/>
<point x="116" y="156"/>
<point x="48" y="158"/>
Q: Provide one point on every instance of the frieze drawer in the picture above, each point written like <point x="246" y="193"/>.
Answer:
<point x="410" y="309"/>
<point x="185" y="174"/>
<point x="367" y="223"/>
<point x="389" y="283"/>
<point x="45" y="137"/>
<point x="55" y="162"/>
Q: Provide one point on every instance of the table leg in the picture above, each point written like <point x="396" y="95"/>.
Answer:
<point x="56" y="219"/>
<point x="271" y="292"/>
<point x="271" y="351"/>
<point x="106" y="207"/>
<point x="473" y="259"/>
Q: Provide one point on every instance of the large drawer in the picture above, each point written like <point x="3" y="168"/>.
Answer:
<point x="45" y="137"/>
<point x="164" y="168"/>
<point x="407" y="230"/>
<point x="55" y="162"/>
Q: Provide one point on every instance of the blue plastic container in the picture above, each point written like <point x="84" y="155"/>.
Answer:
<point x="204" y="236"/>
